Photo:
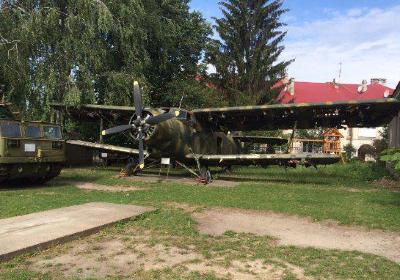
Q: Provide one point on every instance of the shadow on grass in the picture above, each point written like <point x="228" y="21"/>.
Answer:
<point x="20" y="185"/>
<point x="247" y="177"/>
<point x="382" y="202"/>
<point x="267" y="180"/>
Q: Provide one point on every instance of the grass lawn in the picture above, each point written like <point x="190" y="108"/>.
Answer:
<point x="346" y="194"/>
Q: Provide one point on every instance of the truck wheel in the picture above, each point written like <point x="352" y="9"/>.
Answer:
<point x="4" y="173"/>
<point x="54" y="171"/>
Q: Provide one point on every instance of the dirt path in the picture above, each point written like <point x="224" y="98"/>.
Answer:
<point x="116" y="257"/>
<point x="151" y="178"/>
<point x="92" y="186"/>
<point x="302" y="232"/>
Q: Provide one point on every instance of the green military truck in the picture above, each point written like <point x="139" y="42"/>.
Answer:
<point x="33" y="151"/>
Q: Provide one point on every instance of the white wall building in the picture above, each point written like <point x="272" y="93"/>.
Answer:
<point x="308" y="92"/>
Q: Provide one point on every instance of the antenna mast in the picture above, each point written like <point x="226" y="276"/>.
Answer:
<point x="340" y="71"/>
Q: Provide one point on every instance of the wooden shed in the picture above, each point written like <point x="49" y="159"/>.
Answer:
<point x="332" y="141"/>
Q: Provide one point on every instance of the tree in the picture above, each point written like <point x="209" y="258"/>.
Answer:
<point x="176" y="40"/>
<point x="191" y="94"/>
<point x="382" y="143"/>
<point x="246" y="57"/>
<point x="126" y="54"/>
<point x="50" y="51"/>
<point x="349" y="151"/>
<point x="91" y="51"/>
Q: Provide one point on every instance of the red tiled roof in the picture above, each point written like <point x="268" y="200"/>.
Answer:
<point x="305" y="92"/>
<point x="209" y="85"/>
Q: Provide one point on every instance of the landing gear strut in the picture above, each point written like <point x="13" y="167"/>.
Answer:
<point x="204" y="174"/>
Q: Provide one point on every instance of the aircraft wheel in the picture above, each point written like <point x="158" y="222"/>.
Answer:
<point x="132" y="168"/>
<point x="205" y="176"/>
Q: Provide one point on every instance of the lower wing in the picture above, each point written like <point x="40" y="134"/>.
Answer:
<point x="308" y="159"/>
<point x="105" y="147"/>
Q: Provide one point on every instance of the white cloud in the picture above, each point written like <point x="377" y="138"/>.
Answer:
<point x="355" y="12"/>
<point x="289" y="18"/>
<point x="366" y="41"/>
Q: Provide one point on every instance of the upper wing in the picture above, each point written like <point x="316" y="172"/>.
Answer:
<point x="266" y="159"/>
<point x="105" y="147"/>
<point x="95" y="112"/>
<point x="261" y="140"/>
<point x="356" y="113"/>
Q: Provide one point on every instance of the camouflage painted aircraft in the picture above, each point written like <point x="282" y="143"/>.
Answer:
<point x="207" y="137"/>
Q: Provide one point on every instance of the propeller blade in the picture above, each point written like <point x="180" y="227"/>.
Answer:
<point x="160" y="118"/>
<point x="137" y="98"/>
<point x="141" y="150"/>
<point x="116" y="129"/>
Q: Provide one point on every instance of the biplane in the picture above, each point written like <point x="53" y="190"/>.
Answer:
<point x="202" y="138"/>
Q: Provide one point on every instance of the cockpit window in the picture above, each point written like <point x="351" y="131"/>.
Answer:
<point x="10" y="129"/>
<point x="33" y="131"/>
<point x="182" y="113"/>
<point x="52" y="132"/>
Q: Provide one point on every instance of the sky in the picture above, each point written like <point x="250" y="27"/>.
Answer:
<point x="363" y="35"/>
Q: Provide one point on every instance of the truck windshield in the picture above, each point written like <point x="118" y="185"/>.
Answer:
<point x="33" y="131"/>
<point x="9" y="129"/>
<point x="52" y="132"/>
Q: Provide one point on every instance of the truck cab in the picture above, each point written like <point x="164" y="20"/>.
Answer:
<point x="30" y="150"/>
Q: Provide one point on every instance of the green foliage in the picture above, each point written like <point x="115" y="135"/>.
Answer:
<point x="350" y="150"/>
<point x="246" y="57"/>
<point x="190" y="94"/>
<point x="309" y="133"/>
<point x="391" y="156"/>
<point x="49" y="51"/>
<point x="382" y="143"/>
<point x="176" y="39"/>
<point x="269" y="133"/>
<point x="91" y="51"/>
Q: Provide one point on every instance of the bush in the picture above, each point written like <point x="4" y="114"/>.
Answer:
<point x="349" y="150"/>
<point x="356" y="160"/>
<point x="391" y="156"/>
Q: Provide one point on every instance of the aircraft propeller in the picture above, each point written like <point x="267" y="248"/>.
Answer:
<point x="140" y="124"/>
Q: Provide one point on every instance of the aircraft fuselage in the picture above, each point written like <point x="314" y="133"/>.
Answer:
<point x="177" y="138"/>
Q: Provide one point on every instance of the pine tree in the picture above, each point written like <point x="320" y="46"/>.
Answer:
<point x="246" y="57"/>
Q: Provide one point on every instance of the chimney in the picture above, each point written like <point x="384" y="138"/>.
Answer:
<point x="379" y="81"/>
<point x="335" y="83"/>
<point x="291" y="86"/>
<point x="285" y="79"/>
<point x="364" y="87"/>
